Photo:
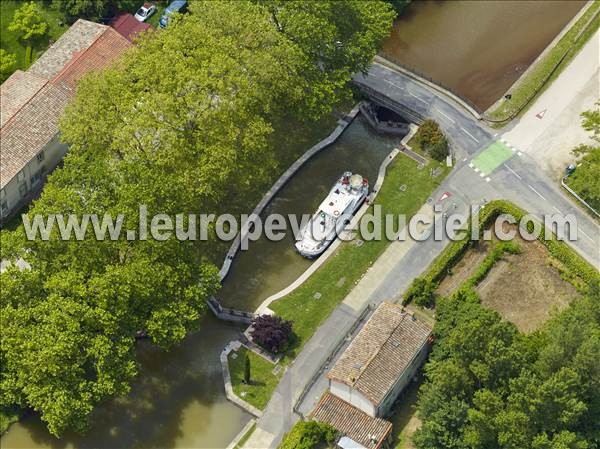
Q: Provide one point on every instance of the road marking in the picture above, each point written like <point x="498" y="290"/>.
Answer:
<point x="557" y="209"/>
<point x="394" y="84"/>
<point x="417" y="97"/>
<point x="519" y="153"/>
<point x="586" y="235"/>
<point x="441" y="113"/>
<point x="537" y="193"/>
<point x="469" y="134"/>
<point x="513" y="172"/>
<point x="487" y="179"/>
<point x="471" y="164"/>
<point x="482" y="174"/>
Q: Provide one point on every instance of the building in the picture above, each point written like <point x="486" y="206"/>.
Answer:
<point x="32" y="102"/>
<point x="371" y="373"/>
<point x="128" y="26"/>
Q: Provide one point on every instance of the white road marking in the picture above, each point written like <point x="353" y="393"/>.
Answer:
<point x="469" y="134"/>
<point x="417" y="97"/>
<point x="557" y="209"/>
<point x="441" y="113"/>
<point x="487" y="179"/>
<point x="482" y="174"/>
<point x="394" y="84"/>
<point x="519" y="153"/>
<point x="512" y="171"/>
<point x="471" y="164"/>
<point x="537" y="193"/>
<point x="476" y="170"/>
<point x="586" y="235"/>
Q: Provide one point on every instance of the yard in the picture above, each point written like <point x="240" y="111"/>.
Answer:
<point x="262" y="380"/>
<point x="523" y="288"/>
<point x="10" y="42"/>
<point x="336" y="278"/>
<point x="404" y="418"/>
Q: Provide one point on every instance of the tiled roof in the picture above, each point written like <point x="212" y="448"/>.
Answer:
<point x="352" y="422"/>
<point x="17" y="90"/>
<point x="381" y="352"/>
<point x="77" y="38"/>
<point x="128" y="26"/>
<point x="28" y="131"/>
<point x="97" y="56"/>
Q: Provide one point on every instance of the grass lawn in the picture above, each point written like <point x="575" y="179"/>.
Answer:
<point x="246" y="436"/>
<point x="351" y="261"/>
<point x="10" y="42"/>
<point x="536" y="77"/>
<point x="404" y="419"/>
<point x="262" y="379"/>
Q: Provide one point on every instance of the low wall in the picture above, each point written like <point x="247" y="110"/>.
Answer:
<point x="283" y="179"/>
<point x="264" y="307"/>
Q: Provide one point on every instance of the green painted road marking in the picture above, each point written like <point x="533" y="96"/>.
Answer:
<point x="491" y="158"/>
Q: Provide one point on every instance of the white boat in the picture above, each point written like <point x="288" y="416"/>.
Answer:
<point x="344" y="199"/>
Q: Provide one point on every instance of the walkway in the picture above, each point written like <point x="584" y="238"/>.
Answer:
<point x="520" y="182"/>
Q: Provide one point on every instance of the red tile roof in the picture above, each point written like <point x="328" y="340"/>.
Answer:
<point x="16" y="91"/>
<point x="381" y="352"/>
<point x="97" y="56"/>
<point x="352" y="422"/>
<point x="128" y="26"/>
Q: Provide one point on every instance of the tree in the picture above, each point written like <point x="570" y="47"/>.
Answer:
<point x="29" y="23"/>
<point x="399" y="5"/>
<point x="309" y="435"/>
<point x="421" y="292"/>
<point x="7" y="64"/>
<point x="182" y="123"/>
<point x="585" y="180"/>
<point x="432" y="140"/>
<point x="271" y="332"/>
<point x="246" y="369"/>
<point x="91" y="9"/>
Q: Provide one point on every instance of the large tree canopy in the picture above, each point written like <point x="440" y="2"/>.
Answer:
<point x="181" y="124"/>
<point x="490" y="387"/>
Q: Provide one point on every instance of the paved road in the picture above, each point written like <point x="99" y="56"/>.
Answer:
<point x="518" y="179"/>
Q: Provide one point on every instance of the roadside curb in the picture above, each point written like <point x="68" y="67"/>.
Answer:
<point x="231" y="396"/>
<point x="264" y="306"/>
<point x="453" y="97"/>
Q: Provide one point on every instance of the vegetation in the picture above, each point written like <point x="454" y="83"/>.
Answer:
<point x="488" y="386"/>
<point x="546" y="69"/>
<point x="8" y="62"/>
<point x="272" y="332"/>
<point x="262" y="381"/>
<point x="247" y="369"/>
<point x="11" y="43"/>
<point x="28" y="23"/>
<point x="351" y="261"/>
<point x="585" y="180"/>
<point x="309" y="435"/>
<point x="431" y="139"/>
<point x="183" y="123"/>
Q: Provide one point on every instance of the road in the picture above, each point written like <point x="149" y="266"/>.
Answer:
<point x="517" y="179"/>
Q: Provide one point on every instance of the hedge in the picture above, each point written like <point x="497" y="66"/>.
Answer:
<point x="577" y="269"/>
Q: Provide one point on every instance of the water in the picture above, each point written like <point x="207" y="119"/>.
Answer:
<point x="267" y="266"/>
<point x="178" y="400"/>
<point x="476" y="48"/>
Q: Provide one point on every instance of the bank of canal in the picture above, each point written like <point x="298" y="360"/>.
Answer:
<point x="477" y="49"/>
<point x="178" y="399"/>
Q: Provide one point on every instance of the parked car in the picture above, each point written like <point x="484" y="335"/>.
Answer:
<point x="175" y="6"/>
<point x="145" y="11"/>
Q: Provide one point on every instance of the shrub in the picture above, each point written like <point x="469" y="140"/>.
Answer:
<point x="421" y="292"/>
<point x="271" y="332"/>
<point x="432" y="140"/>
<point x="308" y="435"/>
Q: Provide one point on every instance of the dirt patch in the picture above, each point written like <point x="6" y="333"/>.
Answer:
<point x="464" y="269"/>
<point x="523" y="288"/>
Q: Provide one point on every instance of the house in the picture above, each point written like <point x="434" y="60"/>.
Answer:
<point x="32" y="102"/>
<point x="371" y="373"/>
<point x="128" y="26"/>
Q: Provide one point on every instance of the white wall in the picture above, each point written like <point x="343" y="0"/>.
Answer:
<point x="352" y="396"/>
<point x="17" y="196"/>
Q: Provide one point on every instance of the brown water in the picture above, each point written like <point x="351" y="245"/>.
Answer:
<point x="476" y="48"/>
<point x="178" y="400"/>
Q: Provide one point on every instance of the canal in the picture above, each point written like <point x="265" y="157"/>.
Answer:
<point x="178" y="400"/>
<point x="476" y="48"/>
